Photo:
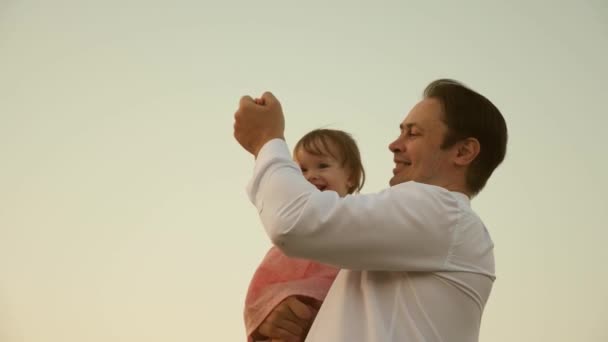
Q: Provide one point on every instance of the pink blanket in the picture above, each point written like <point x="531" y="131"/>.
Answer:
<point x="279" y="277"/>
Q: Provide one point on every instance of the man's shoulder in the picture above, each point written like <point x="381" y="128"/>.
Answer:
<point x="431" y="192"/>
<point x="430" y="204"/>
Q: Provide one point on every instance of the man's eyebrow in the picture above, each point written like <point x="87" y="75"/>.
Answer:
<point x="408" y="125"/>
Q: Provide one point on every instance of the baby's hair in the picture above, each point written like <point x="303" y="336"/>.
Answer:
<point x="320" y="141"/>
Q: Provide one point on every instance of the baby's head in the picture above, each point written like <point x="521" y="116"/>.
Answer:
<point x="330" y="160"/>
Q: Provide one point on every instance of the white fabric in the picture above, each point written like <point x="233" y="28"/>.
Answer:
<point x="417" y="262"/>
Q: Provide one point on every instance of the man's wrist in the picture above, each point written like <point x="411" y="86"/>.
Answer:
<point x="257" y="150"/>
<point x="256" y="336"/>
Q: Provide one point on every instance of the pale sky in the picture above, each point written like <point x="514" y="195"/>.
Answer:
<point x="123" y="215"/>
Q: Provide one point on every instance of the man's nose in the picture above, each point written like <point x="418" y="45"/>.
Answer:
<point x="396" y="145"/>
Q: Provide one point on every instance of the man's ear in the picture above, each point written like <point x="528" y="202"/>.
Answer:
<point x="467" y="150"/>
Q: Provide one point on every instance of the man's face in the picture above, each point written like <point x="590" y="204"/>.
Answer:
<point x="417" y="151"/>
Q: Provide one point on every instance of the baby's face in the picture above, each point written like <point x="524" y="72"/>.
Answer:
<point x="324" y="172"/>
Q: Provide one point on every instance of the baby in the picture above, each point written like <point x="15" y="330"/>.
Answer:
<point x="330" y="160"/>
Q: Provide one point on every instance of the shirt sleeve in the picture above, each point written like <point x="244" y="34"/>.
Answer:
<point x="408" y="227"/>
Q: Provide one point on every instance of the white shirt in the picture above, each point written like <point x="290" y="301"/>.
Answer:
<point x="417" y="263"/>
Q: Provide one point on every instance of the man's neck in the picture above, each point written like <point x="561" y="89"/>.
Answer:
<point x="456" y="187"/>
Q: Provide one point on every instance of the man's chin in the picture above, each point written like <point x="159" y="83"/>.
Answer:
<point x="394" y="181"/>
<point x="397" y="180"/>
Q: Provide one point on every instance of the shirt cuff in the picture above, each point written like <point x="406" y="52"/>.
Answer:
<point x="275" y="149"/>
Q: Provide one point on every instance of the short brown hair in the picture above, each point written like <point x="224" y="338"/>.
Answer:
<point x="469" y="114"/>
<point x="319" y="142"/>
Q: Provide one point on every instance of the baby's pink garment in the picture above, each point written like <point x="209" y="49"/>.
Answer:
<point x="279" y="277"/>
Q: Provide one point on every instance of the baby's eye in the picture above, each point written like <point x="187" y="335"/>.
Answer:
<point x="323" y="165"/>
<point x="303" y="169"/>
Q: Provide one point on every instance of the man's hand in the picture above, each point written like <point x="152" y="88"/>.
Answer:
<point x="258" y="121"/>
<point x="289" y="321"/>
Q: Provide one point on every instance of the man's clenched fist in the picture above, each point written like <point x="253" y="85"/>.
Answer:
<point x="258" y="121"/>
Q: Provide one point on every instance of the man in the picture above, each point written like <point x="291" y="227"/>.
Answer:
<point x="417" y="262"/>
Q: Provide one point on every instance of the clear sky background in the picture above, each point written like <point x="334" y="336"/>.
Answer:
<point x="123" y="215"/>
